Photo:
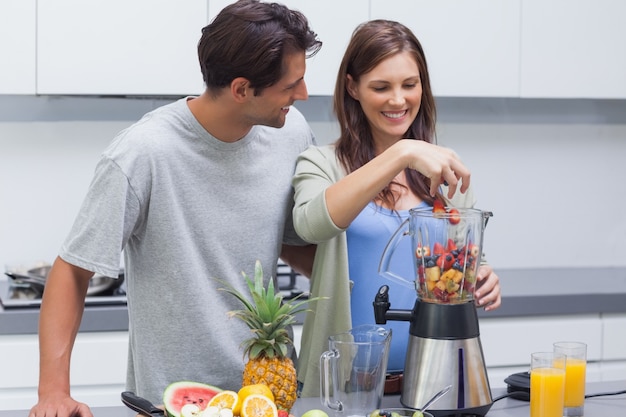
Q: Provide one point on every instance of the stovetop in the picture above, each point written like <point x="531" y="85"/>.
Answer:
<point x="12" y="295"/>
<point x="22" y="296"/>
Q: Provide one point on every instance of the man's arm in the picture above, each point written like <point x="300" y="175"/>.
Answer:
<point x="299" y="258"/>
<point x="61" y="312"/>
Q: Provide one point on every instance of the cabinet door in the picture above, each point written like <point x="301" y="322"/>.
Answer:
<point x="17" y="46"/>
<point x="573" y="49"/>
<point x="334" y="22"/>
<point x="118" y="47"/>
<point x="472" y="47"/>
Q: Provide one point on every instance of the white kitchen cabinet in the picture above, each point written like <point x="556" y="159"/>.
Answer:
<point x="510" y="341"/>
<point x="334" y="22"/>
<point x="614" y="340"/>
<point x="472" y="47"/>
<point x="17" y="46"/>
<point x="118" y="47"/>
<point x="98" y="369"/>
<point x="573" y="49"/>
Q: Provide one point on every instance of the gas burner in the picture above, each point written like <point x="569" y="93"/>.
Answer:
<point x="19" y="295"/>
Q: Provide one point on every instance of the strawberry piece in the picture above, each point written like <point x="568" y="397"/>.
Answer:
<point x="440" y="294"/>
<point x="450" y="246"/>
<point x="438" y="207"/>
<point x="283" y="413"/>
<point x="454" y="216"/>
<point x="445" y="261"/>
<point x="420" y="273"/>
<point x="438" y="249"/>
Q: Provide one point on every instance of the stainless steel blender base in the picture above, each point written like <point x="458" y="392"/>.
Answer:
<point x="432" y="364"/>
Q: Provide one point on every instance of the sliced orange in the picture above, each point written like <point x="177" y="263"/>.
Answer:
<point x="261" y="389"/>
<point x="226" y="399"/>
<point x="258" y="405"/>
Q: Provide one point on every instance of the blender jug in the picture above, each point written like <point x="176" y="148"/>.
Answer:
<point x="353" y="369"/>
<point x="444" y="345"/>
<point x="446" y="248"/>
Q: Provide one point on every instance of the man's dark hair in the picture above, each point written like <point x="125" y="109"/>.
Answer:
<point x="249" y="39"/>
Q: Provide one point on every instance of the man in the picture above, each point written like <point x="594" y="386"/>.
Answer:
<point x="194" y="192"/>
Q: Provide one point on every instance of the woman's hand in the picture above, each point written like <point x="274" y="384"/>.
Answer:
<point x="487" y="288"/>
<point x="441" y="165"/>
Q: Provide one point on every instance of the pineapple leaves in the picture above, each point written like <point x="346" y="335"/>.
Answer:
<point x="266" y="315"/>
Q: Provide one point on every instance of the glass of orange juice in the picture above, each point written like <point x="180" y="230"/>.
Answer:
<point x="547" y="384"/>
<point x="575" y="372"/>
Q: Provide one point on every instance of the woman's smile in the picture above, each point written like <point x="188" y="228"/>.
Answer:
<point x="395" y="114"/>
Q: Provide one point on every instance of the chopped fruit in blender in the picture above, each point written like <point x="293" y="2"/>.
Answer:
<point x="438" y="207"/>
<point x="422" y="251"/>
<point x="470" y="276"/>
<point x="441" y="295"/>
<point x="474" y="250"/>
<point x="455" y="217"/>
<point x="452" y="275"/>
<point x="445" y="261"/>
<point x="452" y="286"/>
<point x="438" y="249"/>
<point x="433" y="273"/>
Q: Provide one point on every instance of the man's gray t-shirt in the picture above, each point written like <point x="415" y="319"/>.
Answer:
<point x="187" y="209"/>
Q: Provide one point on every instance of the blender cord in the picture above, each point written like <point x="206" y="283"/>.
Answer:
<point x="602" y="394"/>
<point x="525" y="396"/>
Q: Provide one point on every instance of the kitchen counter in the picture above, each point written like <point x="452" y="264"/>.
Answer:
<point x="526" y="292"/>
<point x="605" y="406"/>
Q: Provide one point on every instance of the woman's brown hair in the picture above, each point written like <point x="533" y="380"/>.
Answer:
<point x="371" y="43"/>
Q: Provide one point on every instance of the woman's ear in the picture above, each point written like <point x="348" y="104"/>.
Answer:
<point x="351" y="87"/>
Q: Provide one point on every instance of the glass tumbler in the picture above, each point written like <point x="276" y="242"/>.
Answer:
<point x="547" y="384"/>
<point x="575" y="373"/>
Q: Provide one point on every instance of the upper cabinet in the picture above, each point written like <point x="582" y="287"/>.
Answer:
<point x="472" y="47"/>
<point x="17" y="46"/>
<point x="573" y="49"/>
<point x="119" y="47"/>
<point x="333" y="21"/>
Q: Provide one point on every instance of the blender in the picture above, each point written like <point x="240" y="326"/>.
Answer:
<point x="444" y="339"/>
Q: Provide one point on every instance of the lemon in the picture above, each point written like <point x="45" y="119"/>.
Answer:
<point x="258" y="405"/>
<point x="260" y="389"/>
<point x="226" y="399"/>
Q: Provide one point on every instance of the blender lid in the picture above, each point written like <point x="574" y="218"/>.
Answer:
<point x="518" y="385"/>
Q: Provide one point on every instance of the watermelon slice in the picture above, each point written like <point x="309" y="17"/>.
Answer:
<point x="179" y="393"/>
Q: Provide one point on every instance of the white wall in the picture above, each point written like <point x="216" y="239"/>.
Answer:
<point x="550" y="170"/>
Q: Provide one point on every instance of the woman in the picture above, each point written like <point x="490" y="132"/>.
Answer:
<point x="351" y="196"/>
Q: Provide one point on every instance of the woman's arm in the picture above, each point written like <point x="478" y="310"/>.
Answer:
<point x="347" y="198"/>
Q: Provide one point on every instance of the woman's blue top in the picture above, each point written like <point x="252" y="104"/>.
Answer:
<point x="367" y="237"/>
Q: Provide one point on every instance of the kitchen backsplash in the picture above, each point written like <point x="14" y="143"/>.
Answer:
<point x="550" y="170"/>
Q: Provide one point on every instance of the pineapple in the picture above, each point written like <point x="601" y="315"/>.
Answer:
<point x="268" y="317"/>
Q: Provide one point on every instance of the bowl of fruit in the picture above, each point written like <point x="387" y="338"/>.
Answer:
<point x="399" y="412"/>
